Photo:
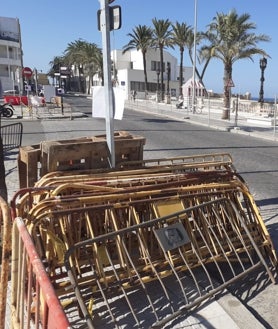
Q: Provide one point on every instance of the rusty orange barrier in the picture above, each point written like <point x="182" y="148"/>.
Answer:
<point x="5" y="219"/>
<point x="33" y="298"/>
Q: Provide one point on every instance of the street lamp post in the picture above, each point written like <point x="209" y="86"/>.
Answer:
<point x="35" y="72"/>
<point x="157" y="85"/>
<point x="194" y="58"/>
<point x="263" y="63"/>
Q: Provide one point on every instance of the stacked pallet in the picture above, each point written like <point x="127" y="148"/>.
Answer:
<point x="35" y="161"/>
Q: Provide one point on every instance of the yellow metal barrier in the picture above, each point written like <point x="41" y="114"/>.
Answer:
<point x="109" y="239"/>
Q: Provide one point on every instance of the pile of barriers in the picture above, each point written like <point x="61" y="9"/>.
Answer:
<point x="139" y="245"/>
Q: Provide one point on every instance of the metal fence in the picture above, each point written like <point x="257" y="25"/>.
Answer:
<point x="244" y="106"/>
<point x="11" y="136"/>
<point x="146" y="246"/>
<point x="34" y="303"/>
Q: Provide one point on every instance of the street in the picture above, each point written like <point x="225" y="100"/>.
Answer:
<point x="255" y="159"/>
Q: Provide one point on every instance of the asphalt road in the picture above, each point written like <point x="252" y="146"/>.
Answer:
<point x="256" y="160"/>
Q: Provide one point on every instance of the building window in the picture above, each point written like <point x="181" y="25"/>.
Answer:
<point x="155" y="65"/>
<point x="3" y="52"/>
<point x="137" y="85"/>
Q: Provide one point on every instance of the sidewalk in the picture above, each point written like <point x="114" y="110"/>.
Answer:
<point x="245" y="123"/>
<point x="46" y="112"/>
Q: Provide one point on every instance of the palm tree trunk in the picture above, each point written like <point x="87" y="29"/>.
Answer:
<point x="161" y="74"/>
<point x="145" y="75"/>
<point x="227" y="78"/>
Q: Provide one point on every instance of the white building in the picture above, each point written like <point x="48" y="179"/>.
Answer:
<point x="128" y="72"/>
<point x="10" y="54"/>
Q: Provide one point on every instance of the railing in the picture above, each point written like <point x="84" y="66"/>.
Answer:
<point x="244" y="106"/>
<point x="11" y="136"/>
<point x="5" y="229"/>
<point x="33" y="299"/>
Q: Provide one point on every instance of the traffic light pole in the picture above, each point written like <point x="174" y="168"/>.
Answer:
<point x="108" y="91"/>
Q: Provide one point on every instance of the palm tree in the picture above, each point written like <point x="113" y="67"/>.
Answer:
<point x="141" y="40"/>
<point x="201" y="54"/>
<point x="86" y="58"/>
<point x="92" y="60"/>
<point x="180" y="35"/>
<point x="161" y="39"/>
<point x="73" y="57"/>
<point x="232" y="40"/>
<point x="55" y="65"/>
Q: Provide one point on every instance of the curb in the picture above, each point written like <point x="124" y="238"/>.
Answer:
<point x="240" y="314"/>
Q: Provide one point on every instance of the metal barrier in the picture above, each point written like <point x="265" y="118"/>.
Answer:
<point x="118" y="283"/>
<point x="5" y="240"/>
<point x="135" y="247"/>
<point x="11" y="136"/>
<point x="33" y="299"/>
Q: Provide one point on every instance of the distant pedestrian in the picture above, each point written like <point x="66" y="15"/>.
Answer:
<point x="133" y="94"/>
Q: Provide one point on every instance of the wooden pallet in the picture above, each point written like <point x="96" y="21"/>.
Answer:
<point x="76" y="154"/>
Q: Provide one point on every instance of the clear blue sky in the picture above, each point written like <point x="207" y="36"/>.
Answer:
<point x="48" y="26"/>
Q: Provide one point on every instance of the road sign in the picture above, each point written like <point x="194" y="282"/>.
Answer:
<point x="27" y="72"/>
<point x="230" y="83"/>
<point x="115" y="17"/>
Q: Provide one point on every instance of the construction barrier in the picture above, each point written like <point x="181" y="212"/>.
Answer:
<point x="138" y="245"/>
<point x="161" y="255"/>
<point x="5" y="244"/>
<point x="33" y="298"/>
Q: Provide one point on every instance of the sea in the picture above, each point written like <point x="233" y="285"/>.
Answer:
<point x="266" y="100"/>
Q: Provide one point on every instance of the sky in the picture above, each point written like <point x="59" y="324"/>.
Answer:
<point x="48" y="26"/>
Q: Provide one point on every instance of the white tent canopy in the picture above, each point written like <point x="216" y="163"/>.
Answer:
<point x="187" y="88"/>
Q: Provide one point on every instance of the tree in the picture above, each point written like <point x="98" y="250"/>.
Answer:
<point x="141" y="40"/>
<point x="162" y="37"/>
<point x="180" y="37"/>
<point x="232" y="39"/>
<point x="201" y="54"/>
<point x="86" y="57"/>
<point x="55" y="65"/>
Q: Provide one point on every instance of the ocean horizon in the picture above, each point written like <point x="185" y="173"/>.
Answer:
<point x="266" y="100"/>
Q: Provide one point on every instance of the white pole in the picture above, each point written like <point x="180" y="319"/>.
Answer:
<point x="108" y="91"/>
<point x="194" y="57"/>
<point x="275" y="115"/>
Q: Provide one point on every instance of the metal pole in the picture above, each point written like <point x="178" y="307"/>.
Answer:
<point x="157" y="87"/>
<point x="194" y="58"/>
<point x="209" y="110"/>
<point x="108" y="91"/>
<point x="36" y="80"/>
<point x="236" y="109"/>
<point x="263" y="63"/>
<point x="275" y="115"/>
